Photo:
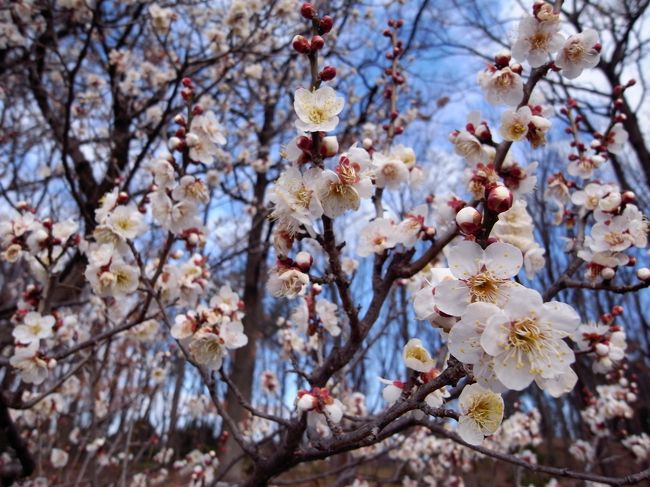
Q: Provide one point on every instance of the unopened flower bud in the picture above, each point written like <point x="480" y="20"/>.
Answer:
<point x="499" y="199"/>
<point x="328" y="73"/>
<point x="469" y="220"/>
<point x="325" y="25"/>
<point x="308" y="11"/>
<point x="628" y="197"/>
<point x="607" y="273"/>
<point x="643" y="273"/>
<point x="329" y="146"/>
<point x="601" y="349"/>
<point x="307" y="402"/>
<point x="502" y="59"/>
<point x="51" y="363"/>
<point x="304" y="260"/>
<point x="300" y="44"/>
<point x="191" y="139"/>
<point x="317" y="43"/>
<point x="618" y="310"/>
<point x="174" y="143"/>
<point x="180" y="119"/>
<point x="187" y="82"/>
<point x="367" y="143"/>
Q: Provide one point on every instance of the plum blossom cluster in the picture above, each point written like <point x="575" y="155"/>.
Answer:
<point x="324" y="412"/>
<point x="210" y="331"/>
<point x="606" y="339"/>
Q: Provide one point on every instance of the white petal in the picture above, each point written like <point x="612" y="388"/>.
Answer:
<point x="504" y="260"/>
<point x="465" y="259"/>
<point x="452" y="297"/>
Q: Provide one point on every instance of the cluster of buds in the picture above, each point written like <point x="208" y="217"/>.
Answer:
<point x="193" y="238"/>
<point x="182" y="138"/>
<point x="327" y="147"/>
<point x="320" y="27"/>
<point x="393" y="76"/>
<point x="319" y="400"/>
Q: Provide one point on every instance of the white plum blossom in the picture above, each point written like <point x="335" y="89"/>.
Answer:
<point x="205" y="135"/>
<point x="617" y="138"/>
<point x="377" y="236"/>
<point x="390" y="172"/>
<point x="481" y="275"/>
<point x="501" y="86"/>
<point x="32" y="367"/>
<point x="317" y="110"/>
<point x="537" y="40"/>
<point x="287" y="282"/>
<point x="295" y="198"/>
<point x="514" y="123"/>
<point x="578" y="53"/>
<point x="417" y="357"/>
<point x="126" y="221"/>
<point x="481" y="413"/>
<point x="526" y="339"/>
<point x="34" y="328"/>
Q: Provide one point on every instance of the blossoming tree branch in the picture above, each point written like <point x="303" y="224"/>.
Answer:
<point x="207" y="281"/>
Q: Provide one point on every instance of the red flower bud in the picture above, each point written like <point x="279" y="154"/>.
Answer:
<point x="499" y="199"/>
<point x="317" y="43"/>
<point x="187" y="82"/>
<point x="328" y="73"/>
<point x="617" y="310"/>
<point x="469" y="220"/>
<point x="325" y="25"/>
<point x="308" y="11"/>
<point x="300" y="44"/>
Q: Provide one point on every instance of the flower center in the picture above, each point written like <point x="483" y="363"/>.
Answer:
<point x="302" y="196"/>
<point x="317" y="114"/>
<point x="484" y="287"/>
<point x="525" y="335"/>
<point x="575" y="52"/>
<point x="504" y="80"/>
<point x="517" y="130"/>
<point x="539" y="40"/>
<point x="417" y="353"/>
<point x="613" y="238"/>
<point x="484" y="412"/>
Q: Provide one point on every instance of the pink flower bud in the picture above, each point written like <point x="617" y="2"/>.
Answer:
<point x="628" y="197"/>
<point x="499" y="199"/>
<point x="306" y="402"/>
<point x="174" y="143"/>
<point x="304" y="260"/>
<point x="329" y="146"/>
<point x="469" y="220"/>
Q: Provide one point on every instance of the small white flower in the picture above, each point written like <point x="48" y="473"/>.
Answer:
<point x="58" y="458"/>
<point x="389" y="172"/>
<point x="34" y="328"/>
<point x="536" y="41"/>
<point x="317" y="110"/>
<point x="126" y="221"/>
<point x="481" y="413"/>
<point x="514" y="124"/>
<point x="207" y="349"/>
<point x="417" y="357"/>
<point x="501" y="86"/>
<point x="377" y="236"/>
<point x="33" y="368"/>
<point x="482" y="275"/>
<point x="578" y="53"/>
<point x="526" y="339"/>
